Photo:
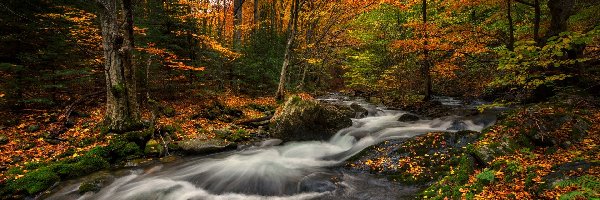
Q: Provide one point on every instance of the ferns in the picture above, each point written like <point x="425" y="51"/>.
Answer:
<point x="589" y="187"/>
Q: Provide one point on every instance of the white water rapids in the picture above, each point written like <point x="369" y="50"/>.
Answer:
<point x="294" y="170"/>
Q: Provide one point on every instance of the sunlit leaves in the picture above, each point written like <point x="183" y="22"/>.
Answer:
<point x="530" y="66"/>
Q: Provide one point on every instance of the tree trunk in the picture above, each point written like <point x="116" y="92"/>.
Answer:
<point x="425" y="65"/>
<point x="536" y="21"/>
<point x="122" y="110"/>
<point x="288" y="50"/>
<point x="560" y="10"/>
<point x="223" y="29"/>
<point x="511" y="30"/>
<point x="256" y="14"/>
<point x="237" y="23"/>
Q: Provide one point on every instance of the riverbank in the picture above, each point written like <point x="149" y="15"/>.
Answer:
<point x="544" y="150"/>
<point x="40" y="151"/>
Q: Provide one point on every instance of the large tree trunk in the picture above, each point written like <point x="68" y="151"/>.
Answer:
<point x="425" y="65"/>
<point x="237" y="23"/>
<point x="280" y="94"/>
<point x="560" y="10"/>
<point x="122" y="110"/>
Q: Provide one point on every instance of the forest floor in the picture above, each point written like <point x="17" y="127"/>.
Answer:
<point x="34" y="139"/>
<point x="545" y="150"/>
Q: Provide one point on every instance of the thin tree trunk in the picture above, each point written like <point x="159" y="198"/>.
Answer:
<point x="237" y="23"/>
<point x="288" y="50"/>
<point x="256" y="14"/>
<point x="425" y="65"/>
<point x="511" y="29"/>
<point x="122" y="110"/>
<point x="222" y="30"/>
<point x="536" y="22"/>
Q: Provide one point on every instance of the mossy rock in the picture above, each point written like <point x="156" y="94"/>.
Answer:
<point x="35" y="181"/>
<point x="233" y="134"/>
<point x="202" y="147"/>
<point x="95" y="182"/>
<point x="435" y="154"/>
<point x="153" y="147"/>
<point x="407" y="117"/>
<point x="33" y="128"/>
<point x="309" y="120"/>
<point x="139" y="137"/>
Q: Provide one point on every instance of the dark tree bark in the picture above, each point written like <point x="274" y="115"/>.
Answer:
<point x="280" y="94"/>
<point x="256" y="14"/>
<point x="122" y="110"/>
<point x="560" y="11"/>
<point x="536" y="21"/>
<point x="511" y="29"/>
<point x="425" y="65"/>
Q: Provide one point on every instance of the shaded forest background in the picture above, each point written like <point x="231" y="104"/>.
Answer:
<point x="52" y="53"/>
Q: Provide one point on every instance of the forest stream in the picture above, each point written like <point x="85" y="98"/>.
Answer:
<point x="270" y="170"/>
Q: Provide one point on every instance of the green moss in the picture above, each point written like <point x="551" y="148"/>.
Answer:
<point x="34" y="165"/>
<point x="35" y="181"/>
<point x="486" y="176"/>
<point x="169" y="111"/>
<point x="33" y="128"/>
<point x="171" y="128"/>
<point x="513" y="169"/>
<point x="233" y="136"/>
<point x="118" y="90"/>
<point x="153" y="147"/>
<point x="88" y="164"/>
<point x="586" y="183"/>
<point x="88" y="187"/>
<point x="450" y="185"/>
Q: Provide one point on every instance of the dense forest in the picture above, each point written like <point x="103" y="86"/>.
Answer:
<point x="100" y="86"/>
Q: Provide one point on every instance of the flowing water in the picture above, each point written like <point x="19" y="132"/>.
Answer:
<point x="294" y="170"/>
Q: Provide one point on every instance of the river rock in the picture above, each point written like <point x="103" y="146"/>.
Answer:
<point x="359" y="110"/>
<point x="407" y="117"/>
<point x="197" y="146"/>
<point x="486" y="153"/>
<point x="545" y="129"/>
<point x="301" y="120"/>
<point x="433" y="153"/>
<point x="458" y="125"/>
<point x="95" y="182"/>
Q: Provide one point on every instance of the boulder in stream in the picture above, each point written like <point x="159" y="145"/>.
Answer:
<point x="197" y="146"/>
<point x="408" y="118"/>
<point x="359" y="110"/>
<point x="302" y="120"/>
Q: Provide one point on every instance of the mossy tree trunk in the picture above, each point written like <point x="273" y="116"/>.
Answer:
<point x="122" y="109"/>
